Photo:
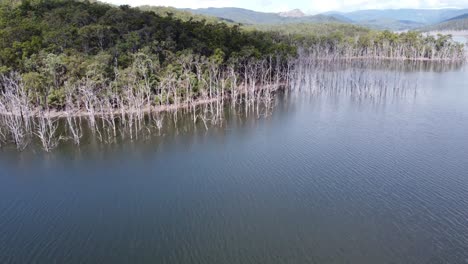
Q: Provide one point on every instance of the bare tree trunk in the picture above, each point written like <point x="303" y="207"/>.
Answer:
<point x="46" y="130"/>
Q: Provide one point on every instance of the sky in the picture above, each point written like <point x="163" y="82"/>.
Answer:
<point x="308" y="6"/>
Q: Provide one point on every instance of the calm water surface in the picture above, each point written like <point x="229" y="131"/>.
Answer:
<point x="331" y="176"/>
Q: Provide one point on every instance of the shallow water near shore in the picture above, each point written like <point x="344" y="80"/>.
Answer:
<point x="370" y="165"/>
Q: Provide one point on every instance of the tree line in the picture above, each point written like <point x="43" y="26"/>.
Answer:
<point x="382" y="45"/>
<point x="116" y="66"/>
<point x="51" y="42"/>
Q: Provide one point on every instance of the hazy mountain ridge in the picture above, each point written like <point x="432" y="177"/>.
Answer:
<point x="399" y="19"/>
<point x="464" y="16"/>
<point x="246" y="16"/>
<point x="459" y="24"/>
<point x="391" y="19"/>
<point x="390" y="24"/>
<point x="292" y="13"/>
<point x="425" y="16"/>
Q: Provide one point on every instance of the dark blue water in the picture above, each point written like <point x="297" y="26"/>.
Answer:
<point x="331" y="176"/>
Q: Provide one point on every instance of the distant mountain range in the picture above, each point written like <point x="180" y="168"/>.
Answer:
<point x="293" y="13"/>
<point x="455" y="23"/>
<point x="391" y="19"/>
<point x="464" y="16"/>
<point x="399" y="19"/>
<point x="423" y="16"/>
<point x="246" y="16"/>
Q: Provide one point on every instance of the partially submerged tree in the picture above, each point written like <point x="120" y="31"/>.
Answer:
<point x="46" y="131"/>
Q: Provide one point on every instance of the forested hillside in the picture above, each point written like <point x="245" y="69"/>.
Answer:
<point x="424" y="16"/>
<point x="464" y="16"/>
<point x="455" y="23"/>
<point x="81" y="58"/>
<point x="305" y="30"/>
<point x="399" y="19"/>
<point x="115" y="65"/>
<point x="181" y="14"/>
<point x="459" y="24"/>
<point x="52" y="42"/>
<point x="72" y="28"/>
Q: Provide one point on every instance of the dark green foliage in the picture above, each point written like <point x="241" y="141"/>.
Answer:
<point x="55" y="43"/>
<point x="73" y="27"/>
<point x="180" y="14"/>
<point x="52" y="43"/>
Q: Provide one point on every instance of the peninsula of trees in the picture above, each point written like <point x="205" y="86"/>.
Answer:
<point x="114" y="65"/>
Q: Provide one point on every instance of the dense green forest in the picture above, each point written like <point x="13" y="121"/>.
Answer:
<point x="72" y="28"/>
<point x="51" y="42"/>
<point x="93" y="59"/>
<point x="182" y="14"/>
<point x="115" y="65"/>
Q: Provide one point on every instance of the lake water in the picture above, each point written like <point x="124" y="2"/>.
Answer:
<point x="370" y="166"/>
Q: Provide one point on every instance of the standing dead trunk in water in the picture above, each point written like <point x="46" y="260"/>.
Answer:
<point x="88" y="97"/>
<point x="14" y="105"/>
<point x="16" y="129"/>
<point x="110" y="109"/>
<point x="46" y="129"/>
<point x="106" y="123"/>
<point x="203" y="117"/>
<point x="121" y="110"/>
<point x="74" y="128"/>
<point x="233" y="88"/>
<point x="129" y="97"/>
<point x="158" y="120"/>
<point x="72" y="124"/>
<point x="199" y="85"/>
<point x="16" y="96"/>
<point x="252" y="77"/>
<point x="2" y="133"/>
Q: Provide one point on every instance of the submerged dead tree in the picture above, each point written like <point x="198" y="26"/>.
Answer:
<point x="412" y="46"/>
<point x="131" y="103"/>
<point x="73" y="121"/>
<point x="46" y="131"/>
<point x="15" y="109"/>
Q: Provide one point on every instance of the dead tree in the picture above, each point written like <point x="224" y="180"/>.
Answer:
<point x="46" y="130"/>
<point x="88" y="98"/>
<point x="158" y="120"/>
<point x="72" y="123"/>
<point x="14" y="105"/>
<point x="2" y="133"/>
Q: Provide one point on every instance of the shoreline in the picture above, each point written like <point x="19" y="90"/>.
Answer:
<point x="76" y="113"/>
<point x="53" y="113"/>
<point x="382" y="58"/>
